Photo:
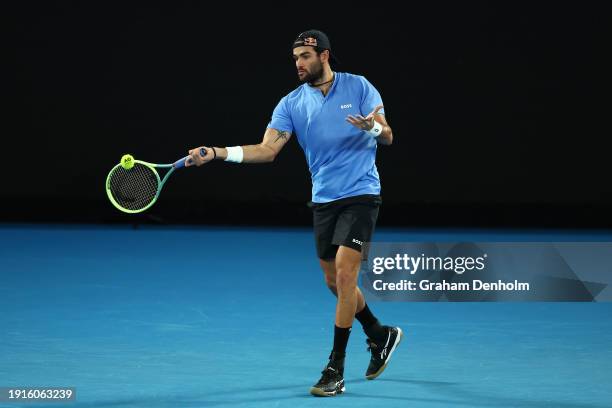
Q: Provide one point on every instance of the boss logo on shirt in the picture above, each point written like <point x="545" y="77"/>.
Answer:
<point x="347" y="106"/>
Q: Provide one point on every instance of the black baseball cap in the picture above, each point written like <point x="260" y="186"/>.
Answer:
<point x="315" y="38"/>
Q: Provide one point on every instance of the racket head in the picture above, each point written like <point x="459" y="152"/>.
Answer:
<point x="134" y="190"/>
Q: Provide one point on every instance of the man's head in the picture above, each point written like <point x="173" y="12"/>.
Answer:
<point x="311" y="53"/>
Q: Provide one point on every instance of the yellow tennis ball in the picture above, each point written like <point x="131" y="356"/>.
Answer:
<point x="127" y="161"/>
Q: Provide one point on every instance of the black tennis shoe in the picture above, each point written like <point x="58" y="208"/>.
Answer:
<point x="382" y="351"/>
<point x="332" y="380"/>
<point x="330" y="384"/>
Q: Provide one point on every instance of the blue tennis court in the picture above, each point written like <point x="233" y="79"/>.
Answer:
<point x="212" y="317"/>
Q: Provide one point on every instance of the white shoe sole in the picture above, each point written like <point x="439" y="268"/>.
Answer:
<point x="320" y="393"/>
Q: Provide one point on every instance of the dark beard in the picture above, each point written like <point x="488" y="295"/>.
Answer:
<point x="315" y="75"/>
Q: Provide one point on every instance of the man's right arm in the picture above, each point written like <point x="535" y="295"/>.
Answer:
<point x="264" y="152"/>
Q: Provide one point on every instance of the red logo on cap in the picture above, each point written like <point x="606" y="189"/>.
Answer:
<point x="310" y="41"/>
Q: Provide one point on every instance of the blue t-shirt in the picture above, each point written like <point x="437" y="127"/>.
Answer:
<point x="341" y="157"/>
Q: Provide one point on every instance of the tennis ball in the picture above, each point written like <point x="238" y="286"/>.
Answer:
<point x="127" y="161"/>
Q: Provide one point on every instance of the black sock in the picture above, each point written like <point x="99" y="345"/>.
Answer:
<point x="341" y="335"/>
<point x="371" y="325"/>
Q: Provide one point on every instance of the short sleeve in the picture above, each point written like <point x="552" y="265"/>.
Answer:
<point x="370" y="98"/>
<point x="281" y="117"/>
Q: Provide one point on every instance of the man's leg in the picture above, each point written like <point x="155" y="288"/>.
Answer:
<point x="348" y="261"/>
<point x="346" y="267"/>
<point x="382" y="340"/>
<point x="338" y="227"/>
<point x="355" y="226"/>
<point x="370" y="324"/>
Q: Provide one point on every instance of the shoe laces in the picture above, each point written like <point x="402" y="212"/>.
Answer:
<point x="371" y="344"/>
<point x="328" y="374"/>
<point x="377" y="350"/>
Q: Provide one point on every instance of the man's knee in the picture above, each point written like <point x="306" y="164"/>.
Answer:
<point x="346" y="278"/>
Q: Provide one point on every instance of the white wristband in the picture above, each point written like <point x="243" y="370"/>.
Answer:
<point x="234" y="154"/>
<point x="376" y="130"/>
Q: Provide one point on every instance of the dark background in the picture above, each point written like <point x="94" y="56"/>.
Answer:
<point x="498" y="111"/>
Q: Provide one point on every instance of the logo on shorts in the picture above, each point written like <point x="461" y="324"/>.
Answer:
<point x="357" y="241"/>
<point x="346" y="106"/>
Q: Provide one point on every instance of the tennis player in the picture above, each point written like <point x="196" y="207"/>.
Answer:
<point x="339" y="120"/>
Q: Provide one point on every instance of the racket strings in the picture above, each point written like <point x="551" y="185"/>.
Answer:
<point x="134" y="189"/>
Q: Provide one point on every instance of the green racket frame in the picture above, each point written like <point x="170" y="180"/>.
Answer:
<point x="160" y="182"/>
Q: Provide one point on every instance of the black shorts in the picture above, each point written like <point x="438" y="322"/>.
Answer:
<point x="348" y="222"/>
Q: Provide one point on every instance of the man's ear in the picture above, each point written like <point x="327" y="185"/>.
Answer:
<point x="325" y="55"/>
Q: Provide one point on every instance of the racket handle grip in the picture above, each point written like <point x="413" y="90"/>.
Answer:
<point x="181" y="162"/>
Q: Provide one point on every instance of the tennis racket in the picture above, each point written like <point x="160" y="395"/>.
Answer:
<point x="136" y="189"/>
